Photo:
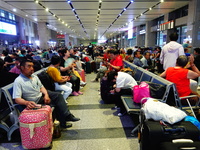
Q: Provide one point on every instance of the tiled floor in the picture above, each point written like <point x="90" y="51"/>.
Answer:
<point x="98" y="129"/>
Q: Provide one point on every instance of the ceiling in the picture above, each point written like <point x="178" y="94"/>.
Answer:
<point x="91" y="19"/>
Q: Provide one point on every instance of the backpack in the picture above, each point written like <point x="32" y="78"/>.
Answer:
<point x="46" y="80"/>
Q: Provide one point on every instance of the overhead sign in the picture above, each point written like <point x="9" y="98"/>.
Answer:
<point x="60" y="36"/>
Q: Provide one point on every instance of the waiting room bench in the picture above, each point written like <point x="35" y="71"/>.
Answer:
<point x="141" y="74"/>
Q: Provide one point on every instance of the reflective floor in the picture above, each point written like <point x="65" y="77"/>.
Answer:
<point x="99" y="128"/>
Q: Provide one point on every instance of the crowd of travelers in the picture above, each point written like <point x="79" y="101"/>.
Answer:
<point x="67" y="68"/>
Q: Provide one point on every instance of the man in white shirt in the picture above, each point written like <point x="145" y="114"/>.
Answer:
<point x="171" y="51"/>
<point x="124" y="86"/>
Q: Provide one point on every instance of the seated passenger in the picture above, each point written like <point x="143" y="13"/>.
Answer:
<point x="136" y="59"/>
<point x="66" y="68"/>
<point x="181" y="77"/>
<point x="146" y="60"/>
<point x="129" y="56"/>
<point x="116" y="62"/>
<point x="28" y="91"/>
<point x="60" y="81"/>
<point x="5" y="76"/>
<point x="124" y="86"/>
<point x="16" y="68"/>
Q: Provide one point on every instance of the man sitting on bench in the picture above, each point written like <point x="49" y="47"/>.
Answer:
<point x="28" y="91"/>
<point x="124" y="86"/>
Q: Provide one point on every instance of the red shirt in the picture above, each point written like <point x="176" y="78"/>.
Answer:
<point x="179" y="77"/>
<point x="117" y="62"/>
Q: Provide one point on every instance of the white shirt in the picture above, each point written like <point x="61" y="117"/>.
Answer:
<point x="125" y="81"/>
<point x="170" y="52"/>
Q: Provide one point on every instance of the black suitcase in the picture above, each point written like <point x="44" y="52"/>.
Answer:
<point x="105" y="88"/>
<point x="88" y="68"/>
<point x="180" y="146"/>
<point x="152" y="133"/>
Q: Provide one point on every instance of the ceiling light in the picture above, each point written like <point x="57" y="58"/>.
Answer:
<point x="69" y="1"/>
<point x="36" y="1"/>
<point x="73" y="9"/>
<point x="100" y="1"/>
<point x="66" y="24"/>
<point x="59" y="19"/>
<point x="150" y="8"/>
<point x="47" y="9"/>
<point x="131" y="1"/>
<point x="161" y="1"/>
<point x="63" y="22"/>
<point x="26" y="15"/>
<point x="35" y="19"/>
<point x="141" y="14"/>
<point x="14" y="9"/>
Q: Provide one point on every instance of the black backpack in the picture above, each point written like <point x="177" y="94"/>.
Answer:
<point x="46" y="80"/>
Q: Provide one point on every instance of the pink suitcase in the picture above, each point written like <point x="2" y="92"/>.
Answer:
<point x="36" y="127"/>
<point x="82" y="74"/>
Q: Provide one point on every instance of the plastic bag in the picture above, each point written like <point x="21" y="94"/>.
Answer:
<point x="156" y="110"/>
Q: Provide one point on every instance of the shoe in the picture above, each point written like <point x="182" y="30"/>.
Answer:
<point x="80" y="93"/>
<point x="66" y="125"/>
<point x="198" y="88"/>
<point x="72" y="118"/>
<point x="121" y="114"/>
<point x="114" y="108"/>
<point x="82" y="83"/>
<point x="95" y="80"/>
<point x="75" y="93"/>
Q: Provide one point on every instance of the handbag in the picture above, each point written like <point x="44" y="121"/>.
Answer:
<point x="156" y="90"/>
<point x="140" y="91"/>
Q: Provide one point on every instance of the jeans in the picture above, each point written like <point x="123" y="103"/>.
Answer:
<point x="67" y="88"/>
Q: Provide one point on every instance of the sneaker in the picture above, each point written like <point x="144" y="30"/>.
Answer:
<point x="80" y="93"/>
<point x="121" y="114"/>
<point x="82" y="83"/>
<point x="75" y="93"/>
<point x="66" y="125"/>
<point x="95" y="80"/>
<point x="114" y="108"/>
<point x="72" y="118"/>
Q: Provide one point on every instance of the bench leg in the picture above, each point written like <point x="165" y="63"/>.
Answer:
<point x="134" y="130"/>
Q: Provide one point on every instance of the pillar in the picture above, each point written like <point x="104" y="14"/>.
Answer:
<point x="43" y="33"/>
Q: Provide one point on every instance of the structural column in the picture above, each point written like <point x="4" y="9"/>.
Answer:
<point x="43" y="33"/>
<point x="193" y="23"/>
<point x="150" y="37"/>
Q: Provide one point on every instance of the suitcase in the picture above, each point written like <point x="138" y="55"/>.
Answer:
<point x="93" y="66"/>
<point x="180" y="146"/>
<point x="88" y="68"/>
<point x="36" y="127"/>
<point x="82" y="74"/>
<point x="152" y="133"/>
<point x="105" y="88"/>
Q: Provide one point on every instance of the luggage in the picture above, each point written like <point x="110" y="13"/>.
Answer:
<point x="180" y="146"/>
<point x="152" y="133"/>
<point x="36" y="127"/>
<point x="105" y="88"/>
<point x="88" y="68"/>
<point x="93" y="66"/>
<point x="82" y="74"/>
<point x="46" y="80"/>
